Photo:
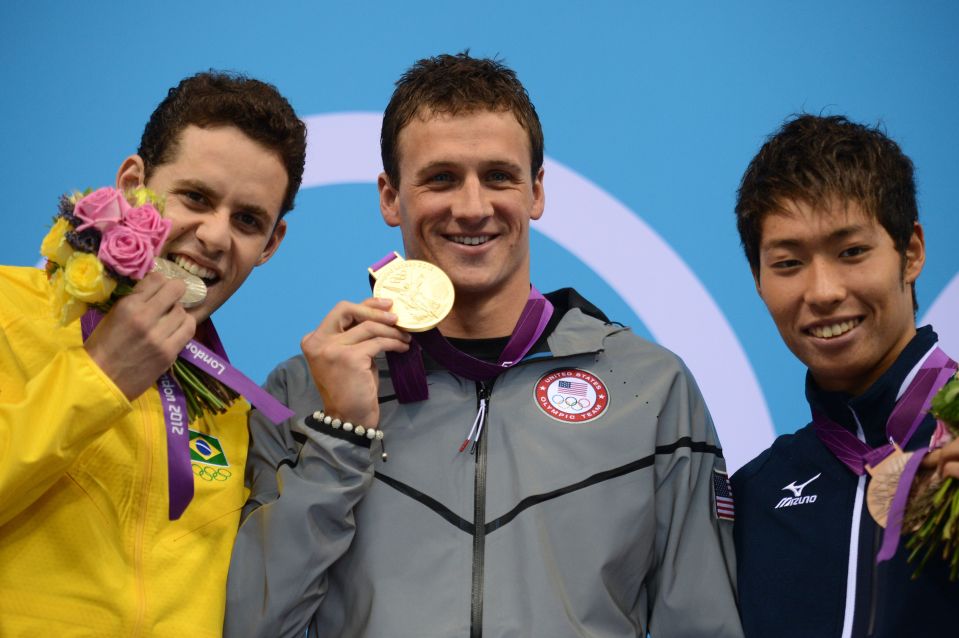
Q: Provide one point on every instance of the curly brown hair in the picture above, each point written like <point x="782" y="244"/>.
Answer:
<point x="217" y="98"/>
<point x="454" y="84"/>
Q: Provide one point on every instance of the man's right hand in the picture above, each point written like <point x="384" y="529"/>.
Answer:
<point x="141" y="336"/>
<point x="341" y="351"/>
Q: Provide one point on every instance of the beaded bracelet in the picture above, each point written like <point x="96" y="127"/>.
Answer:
<point x="372" y="434"/>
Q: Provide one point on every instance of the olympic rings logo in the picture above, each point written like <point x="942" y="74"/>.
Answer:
<point x="571" y="402"/>
<point x="208" y="473"/>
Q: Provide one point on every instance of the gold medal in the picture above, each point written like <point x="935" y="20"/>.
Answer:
<point x="883" y="484"/>
<point x="422" y="294"/>
<point x="195" y="288"/>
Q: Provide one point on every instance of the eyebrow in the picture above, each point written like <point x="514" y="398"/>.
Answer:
<point x="505" y="164"/>
<point x="837" y="235"/>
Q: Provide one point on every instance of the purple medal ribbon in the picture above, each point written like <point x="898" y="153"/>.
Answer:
<point x="905" y="418"/>
<point x="179" y="467"/>
<point x="409" y="375"/>
<point x="213" y="361"/>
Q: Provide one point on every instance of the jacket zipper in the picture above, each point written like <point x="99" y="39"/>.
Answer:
<point x="138" y="541"/>
<point x="874" y="585"/>
<point x="483" y="392"/>
<point x="873" y="568"/>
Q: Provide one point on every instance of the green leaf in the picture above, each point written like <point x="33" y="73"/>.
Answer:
<point x="945" y="405"/>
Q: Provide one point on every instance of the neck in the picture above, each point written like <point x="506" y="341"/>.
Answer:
<point x="476" y="317"/>
<point x="857" y="384"/>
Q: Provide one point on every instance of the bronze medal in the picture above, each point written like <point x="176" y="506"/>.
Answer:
<point x="883" y="484"/>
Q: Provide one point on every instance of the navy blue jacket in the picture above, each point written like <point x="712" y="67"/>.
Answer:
<point x="797" y="553"/>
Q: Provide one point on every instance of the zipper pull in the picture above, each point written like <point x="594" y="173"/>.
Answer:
<point x="477" y="428"/>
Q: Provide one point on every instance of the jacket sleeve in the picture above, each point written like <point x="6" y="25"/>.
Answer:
<point x="51" y="410"/>
<point x="304" y="485"/>
<point x="692" y="589"/>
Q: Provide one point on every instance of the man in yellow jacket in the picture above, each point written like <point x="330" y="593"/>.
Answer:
<point x="87" y="547"/>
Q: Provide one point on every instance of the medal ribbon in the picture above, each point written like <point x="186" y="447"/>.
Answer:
<point x="409" y="375"/>
<point x="902" y="424"/>
<point x="903" y="421"/>
<point x="213" y="361"/>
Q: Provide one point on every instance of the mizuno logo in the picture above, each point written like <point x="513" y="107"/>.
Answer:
<point x="797" y="498"/>
<point x="797" y="489"/>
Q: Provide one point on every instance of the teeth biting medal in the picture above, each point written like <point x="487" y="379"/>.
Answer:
<point x="422" y="294"/>
<point x="195" y="288"/>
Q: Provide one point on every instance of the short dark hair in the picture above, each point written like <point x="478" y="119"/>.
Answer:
<point x="216" y="98"/>
<point x="816" y="159"/>
<point x="454" y="84"/>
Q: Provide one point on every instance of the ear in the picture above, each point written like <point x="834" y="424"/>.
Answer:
<point x="759" y="288"/>
<point x="389" y="200"/>
<point x="539" y="196"/>
<point x="132" y="173"/>
<point x="915" y="255"/>
<point x="273" y="242"/>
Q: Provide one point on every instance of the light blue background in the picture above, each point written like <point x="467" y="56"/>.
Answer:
<point x="660" y="104"/>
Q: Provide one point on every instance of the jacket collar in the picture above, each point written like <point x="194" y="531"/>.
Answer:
<point x="576" y="327"/>
<point x="875" y="404"/>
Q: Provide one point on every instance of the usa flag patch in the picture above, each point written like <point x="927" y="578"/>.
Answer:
<point x="723" y="496"/>
<point x="571" y="395"/>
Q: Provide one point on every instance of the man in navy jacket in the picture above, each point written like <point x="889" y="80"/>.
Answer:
<point x="828" y="219"/>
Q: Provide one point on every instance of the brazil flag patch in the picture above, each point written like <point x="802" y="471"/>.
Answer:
<point x="205" y="448"/>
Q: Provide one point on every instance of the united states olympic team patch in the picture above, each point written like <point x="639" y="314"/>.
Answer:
<point x="571" y="395"/>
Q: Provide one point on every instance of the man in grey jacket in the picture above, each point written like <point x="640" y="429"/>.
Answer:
<point x="550" y="473"/>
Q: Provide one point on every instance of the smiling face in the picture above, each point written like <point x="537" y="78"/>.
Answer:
<point x="838" y="290"/>
<point x="465" y="200"/>
<point x="223" y="194"/>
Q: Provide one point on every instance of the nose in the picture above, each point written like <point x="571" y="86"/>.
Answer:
<point x="825" y="286"/>
<point x="213" y="231"/>
<point x="471" y="202"/>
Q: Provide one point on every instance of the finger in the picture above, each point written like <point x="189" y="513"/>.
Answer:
<point x="149" y="282"/>
<point x="332" y="347"/>
<point x="147" y="286"/>
<point x="356" y="356"/>
<point x="184" y="331"/>
<point x="345" y="315"/>
<point x="369" y="330"/>
<point x="931" y="460"/>
<point x="380" y="303"/>
<point x="950" y="468"/>
<point x="378" y="345"/>
<point x="173" y="322"/>
<point x="155" y="294"/>
<point x="168" y="293"/>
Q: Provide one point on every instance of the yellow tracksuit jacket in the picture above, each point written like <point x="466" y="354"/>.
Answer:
<point x="86" y="545"/>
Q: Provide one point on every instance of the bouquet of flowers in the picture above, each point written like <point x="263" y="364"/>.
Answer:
<point x="933" y="509"/>
<point x="103" y="242"/>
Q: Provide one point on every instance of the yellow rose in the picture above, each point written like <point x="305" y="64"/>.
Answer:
<point x="65" y="307"/>
<point x="55" y="246"/>
<point x="85" y="279"/>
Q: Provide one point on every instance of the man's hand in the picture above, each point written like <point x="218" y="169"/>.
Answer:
<point x="142" y="334"/>
<point x="340" y="354"/>
<point x="944" y="459"/>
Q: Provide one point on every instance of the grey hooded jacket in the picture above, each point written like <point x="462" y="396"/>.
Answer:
<point x="592" y="527"/>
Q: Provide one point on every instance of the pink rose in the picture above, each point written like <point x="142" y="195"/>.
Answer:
<point x="101" y="209"/>
<point x="126" y="251"/>
<point x="146" y="222"/>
